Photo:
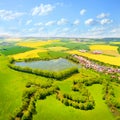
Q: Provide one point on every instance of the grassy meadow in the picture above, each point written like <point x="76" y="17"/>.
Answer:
<point x="14" y="84"/>
<point x="10" y="50"/>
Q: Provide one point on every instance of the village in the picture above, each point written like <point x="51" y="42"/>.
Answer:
<point x="99" y="68"/>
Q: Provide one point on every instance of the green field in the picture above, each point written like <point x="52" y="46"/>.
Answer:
<point x="10" y="50"/>
<point x="52" y="54"/>
<point x="52" y="109"/>
<point x="14" y="84"/>
<point x="70" y="45"/>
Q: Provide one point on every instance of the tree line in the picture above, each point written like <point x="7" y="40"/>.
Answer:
<point x="51" y="74"/>
<point x="109" y="96"/>
<point x="84" y="102"/>
<point x="32" y="93"/>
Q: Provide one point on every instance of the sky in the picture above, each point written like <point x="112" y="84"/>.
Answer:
<point x="60" y="18"/>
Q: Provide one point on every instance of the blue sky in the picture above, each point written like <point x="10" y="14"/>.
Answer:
<point x="60" y="18"/>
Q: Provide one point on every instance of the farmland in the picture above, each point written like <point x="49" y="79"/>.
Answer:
<point x="38" y="44"/>
<point x="10" y="50"/>
<point x="102" y="58"/>
<point x="106" y="49"/>
<point x="73" y="93"/>
<point x="28" y="54"/>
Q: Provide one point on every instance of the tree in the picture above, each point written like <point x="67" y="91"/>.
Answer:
<point x="27" y="115"/>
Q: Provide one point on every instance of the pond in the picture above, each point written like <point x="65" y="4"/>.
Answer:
<point x="53" y="65"/>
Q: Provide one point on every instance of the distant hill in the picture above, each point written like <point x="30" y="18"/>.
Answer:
<point x="111" y="39"/>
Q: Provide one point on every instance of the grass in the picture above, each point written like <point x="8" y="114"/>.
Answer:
<point x="52" y="109"/>
<point x="14" y="50"/>
<point x="76" y="46"/>
<point x="52" y="54"/>
<point x="115" y="43"/>
<point x="55" y="44"/>
<point x="69" y="45"/>
<point x="12" y="85"/>
<point x="117" y="91"/>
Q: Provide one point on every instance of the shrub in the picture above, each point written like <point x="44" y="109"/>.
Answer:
<point x="29" y="84"/>
<point x="32" y="107"/>
<point x="18" y="113"/>
<point x="27" y="115"/>
<point x="65" y="101"/>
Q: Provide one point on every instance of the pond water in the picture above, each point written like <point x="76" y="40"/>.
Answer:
<point x="53" y="65"/>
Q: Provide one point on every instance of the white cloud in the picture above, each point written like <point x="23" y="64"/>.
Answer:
<point x="105" y="21"/>
<point x="76" y="22"/>
<point x="97" y="31"/>
<point x="65" y="29"/>
<point x="94" y="29"/>
<point x="42" y="9"/>
<point x="116" y="30"/>
<point x="28" y="31"/>
<point x="38" y="24"/>
<point x="100" y="22"/>
<point x="28" y="22"/>
<point x="92" y="34"/>
<point x="31" y="29"/>
<point x="103" y="15"/>
<point x="50" y="23"/>
<point x="8" y="33"/>
<point x="101" y="32"/>
<point x="62" y="21"/>
<point x="83" y="11"/>
<point x="41" y="29"/>
<point x="10" y="15"/>
<point x="91" y="22"/>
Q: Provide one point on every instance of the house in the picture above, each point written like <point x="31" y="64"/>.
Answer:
<point x="83" y="51"/>
<point x="97" y="52"/>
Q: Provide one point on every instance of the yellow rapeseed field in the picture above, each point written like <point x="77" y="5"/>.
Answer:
<point x="102" y="58"/>
<point x="57" y="48"/>
<point x="106" y="49"/>
<point x="28" y="54"/>
<point x="36" y="44"/>
<point x="103" y="47"/>
<point x="115" y="42"/>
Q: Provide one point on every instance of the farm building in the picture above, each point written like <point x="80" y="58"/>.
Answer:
<point x="97" y="52"/>
<point x="83" y="51"/>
